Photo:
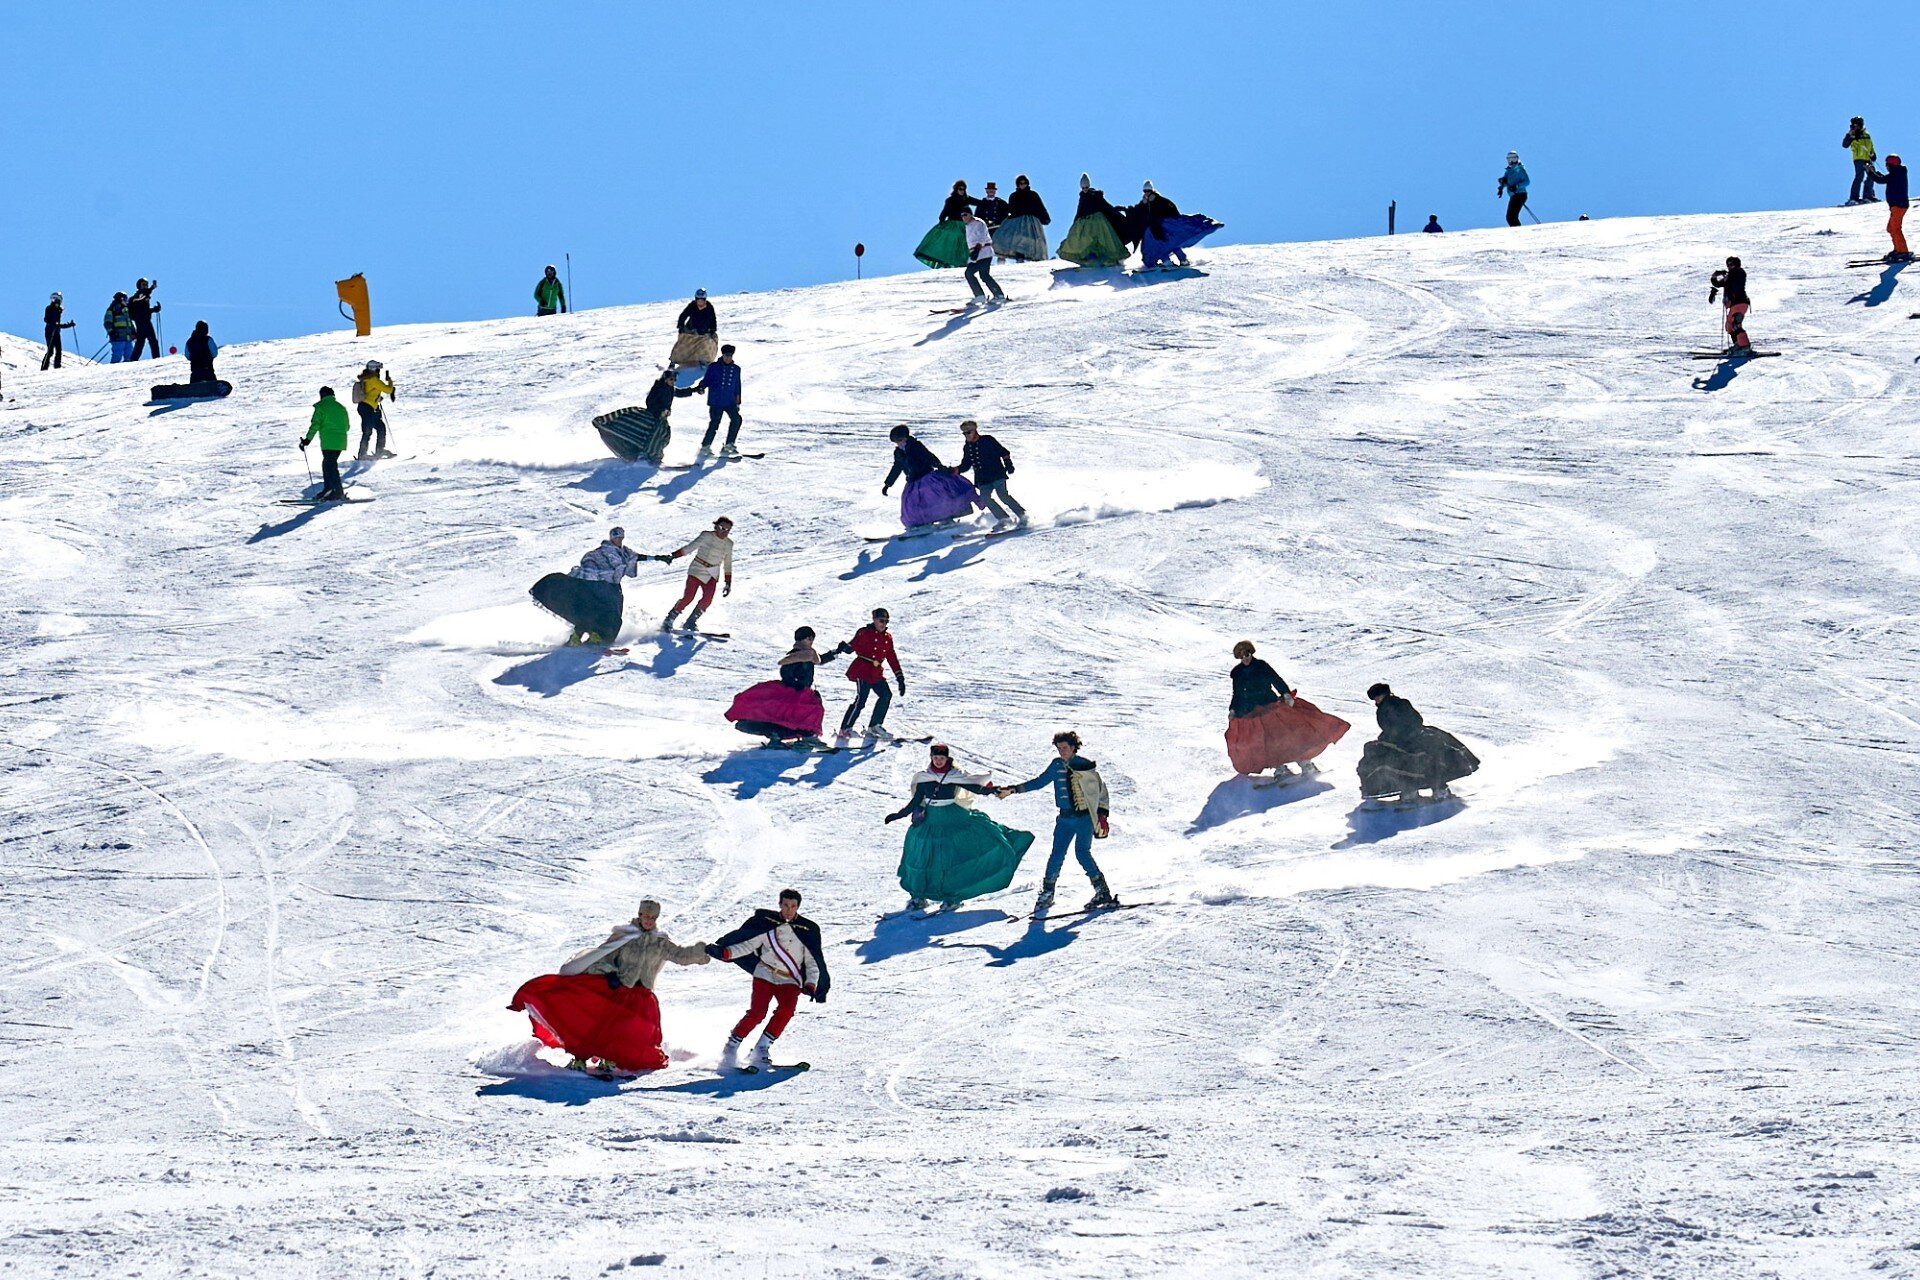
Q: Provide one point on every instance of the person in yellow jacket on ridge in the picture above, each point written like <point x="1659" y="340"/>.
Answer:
<point x="1860" y="143"/>
<point x="329" y="422"/>
<point x="367" y="390"/>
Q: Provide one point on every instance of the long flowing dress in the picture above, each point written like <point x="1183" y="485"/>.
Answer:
<point x="946" y="244"/>
<point x="1410" y="754"/>
<point x="1263" y="732"/>
<point x="953" y="852"/>
<point x="1094" y="238"/>
<point x="1023" y="236"/>
<point x="581" y="1014"/>
<point x="786" y="708"/>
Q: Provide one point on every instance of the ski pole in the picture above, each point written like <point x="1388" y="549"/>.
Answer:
<point x="573" y="303"/>
<point x="309" y="461"/>
<point x="103" y="347"/>
<point x="1528" y="210"/>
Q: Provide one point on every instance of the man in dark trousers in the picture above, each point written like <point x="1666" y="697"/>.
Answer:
<point x="781" y="949"/>
<point x="991" y="464"/>
<point x="721" y="382"/>
<point x="1731" y="285"/>
<point x="549" y="295"/>
<point x="872" y="648"/>
<point x="329" y="422"/>
<point x="142" y="308"/>
<point x="56" y="309"/>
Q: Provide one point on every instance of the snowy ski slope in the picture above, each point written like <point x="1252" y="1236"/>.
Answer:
<point x="295" y="799"/>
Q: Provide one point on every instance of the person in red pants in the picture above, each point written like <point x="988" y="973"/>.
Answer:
<point x="712" y="554"/>
<point x="782" y="950"/>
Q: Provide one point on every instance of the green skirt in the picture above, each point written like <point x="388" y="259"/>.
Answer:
<point x="954" y="854"/>
<point x="1092" y="242"/>
<point x="944" y="246"/>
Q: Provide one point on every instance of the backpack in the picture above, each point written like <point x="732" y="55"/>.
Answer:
<point x="1088" y="790"/>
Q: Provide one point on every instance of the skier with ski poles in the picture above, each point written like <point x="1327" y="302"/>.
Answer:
<point x="367" y="390"/>
<point x="781" y="949"/>
<point x="1895" y="182"/>
<point x="712" y="554"/>
<point x="1081" y="803"/>
<point x="991" y="464"/>
<point x="329" y="422"/>
<point x="1513" y="185"/>
<point x="721" y="383"/>
<point x="549" y="295"/>
<point x="1731" y="285"/>
<point x="120" y="329"/>
<point x="55" y="321"/>
<point x="142" y="308"/>
<point x="1860" y="144"/>
<point x="872" y="646"/>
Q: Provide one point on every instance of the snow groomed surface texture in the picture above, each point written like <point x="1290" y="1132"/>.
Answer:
<point x="295" y="799"/>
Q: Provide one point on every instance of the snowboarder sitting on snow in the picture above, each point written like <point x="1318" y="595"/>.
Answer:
<point x="1731" y="283"/>
<point x="712" y="554"/>
<point x="698" y="316"/>
<point x="1860" y="143"/>
<point x="367" y="390"/>
<point x="549" y="294"/>
<point x="602" y="568"/>
<point x="142" y="307"/>
<point x="1895" y="181"/>
<point x="782" y="950"/>
<point x="980" y="257"/>
<point x="991" y="464"/>
<point x="1409" y="754"/>
<point x="1433" y="223"/>
<point x="329" y="422"/>
<point x="201" y="349"/>
<point x="872" y="646"/>
<point x="991" y="209"/>
<point x="1513" y="185"/>
<point x="119" y="327"/>
<point x="56" y="310"/>
<point x="1080" y="798"/>
<point x="721" y="383"/>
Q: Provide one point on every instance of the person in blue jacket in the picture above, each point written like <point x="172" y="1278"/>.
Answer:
<point x="721" y="382"/>
<point x="1894" y="180"/>
<point x="1080" y="797"/>
<point x="1513" y="185"/>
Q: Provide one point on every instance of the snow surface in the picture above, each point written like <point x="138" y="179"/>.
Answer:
<point x="295" y="799"/>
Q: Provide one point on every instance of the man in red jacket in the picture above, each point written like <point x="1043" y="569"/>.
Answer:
<point x="872" y="646"/>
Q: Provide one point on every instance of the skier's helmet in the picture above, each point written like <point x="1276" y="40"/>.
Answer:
<point x="373" y="366"/>
<point x="699" y="293"/>
<point x="56" y="295"/>
<point x="1513" y="157"/>
<point x="1147" y="185"/>
<point x="1894" y="162"/>
<point x="141" y="283"/>
<point x="120" y="297"/>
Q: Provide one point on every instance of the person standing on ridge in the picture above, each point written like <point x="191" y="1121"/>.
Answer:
<point x="201" y="349"/>
<point x="992" y="210"/>
<point x="142" y="307"/>
<point x="1860" y="144"/>
<point x="329" y="422"/>
<point x="1895" y="181"/>
<point x="872" y="646"/>
<point x="119" y="327"/>
<point x="782" y="950"/>
<point x="991" y="464"/>
<point x="721" y="382"/>
<point x="980" y="257"/>
<point x="549" y="294"/>
<point x="1094" y="238"/>
<point x="367" y="390"/>
<point x="712" y="554"/>
<point x="1433" y="223"/>
<point x="1513" y="185"/>
<point x="1731" y="285"/>
<point x="56" y="311"/>
<point x="1022" y="236"/>
<point x="1080" y="796"/>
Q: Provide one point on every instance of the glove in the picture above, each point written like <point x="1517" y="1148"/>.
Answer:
<point x="891" y="817"/>
<point x="613" y="981"/>
<point x="807" y="990"/>
<point x="303" y="444"/>
<point x="727" y="590"/>
<point x="883" y="490"/>
<point x="716" y="953"/>
<point x="901" y="681"/>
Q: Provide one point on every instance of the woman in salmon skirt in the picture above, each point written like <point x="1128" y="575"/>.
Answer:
<point x="1270" y="726"/>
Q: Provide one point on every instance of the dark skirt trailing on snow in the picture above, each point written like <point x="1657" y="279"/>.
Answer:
<point x="1092" y="241"/>
<point x="1430" y="758"/>
<point x="1177" y="234"/>
<point x="206" y="390"/>
<point x="634" y="433"/>
<point x="583" y="1015"/>
<point x="592" y="606"/>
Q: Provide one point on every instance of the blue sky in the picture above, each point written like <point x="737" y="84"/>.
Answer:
<point x="249" y="154"/>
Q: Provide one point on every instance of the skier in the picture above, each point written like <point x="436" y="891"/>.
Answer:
<point x="698" y="325"/>
<point x="721" y="383"/>
<point x="872" y="646"/>
<point x="992" y="210"/>
<point x="946" y="244"/>
<point x="142" y="308"/>
<point x="120" y="329"/>
<point x="787" y="710"/>
<point x="1022" y="237"/>
<point x="979" y="256"/>
<point x="933" y="492"/>
<point x="329" y="422"/>
<point x="56" y="311"/>
<point x="1731" y="284"/>
<point x="1094" y="238"/>
<point x="1080" y="797"/>
<point x="953" y="853"/>
<point x="782" y="950"/>
<point x="712" y="554"/>
<point x="1433" y="223"/>
<point x="1409" y="754"/>
<point x="1860" y="143"/>
<point x="600" y="1007"/>
<point x="588" y="596"/>
<point x="1513" y="185"/>
<point x="991" y="464"/>
<point x="201" y="349"/>
<point x="367" y="390"/>
<point x="1895" y="181"/>
<point x="549" y="294"/>
<point x="1269" y="726"/>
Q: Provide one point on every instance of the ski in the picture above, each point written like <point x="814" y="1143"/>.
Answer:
<point x="1284" y="780"/>
<point x="1881" y="262"/>
<point x="1094" y="911"/>
<point x="1000" y="531"/>
<point x="319" y="502"/>
<point x="777" y="1066"/>
<point x="1731" y="355"/>
<point x="918" y="531"/>
<point x="704" y="635"/>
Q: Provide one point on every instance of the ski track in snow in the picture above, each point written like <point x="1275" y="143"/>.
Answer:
<point x="296" y="798"/>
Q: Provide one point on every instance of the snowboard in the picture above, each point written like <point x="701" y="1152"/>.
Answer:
<point x="666" y="632"/>
<point x="1731" y="355"/>
<point x="777" y="1066"/>
<point x="1094" y="911"/>
<point x="1000" y="531"/>
<point x="1379" y="804"/>
<point x="712" y="461"/>
<point x="319" y="502"/>
<point x="191" y="391"/>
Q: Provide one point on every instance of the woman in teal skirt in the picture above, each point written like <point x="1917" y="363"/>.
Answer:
<point x="953" y="853"/>
<point x="946" y="244"/>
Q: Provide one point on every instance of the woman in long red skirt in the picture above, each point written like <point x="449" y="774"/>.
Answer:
<point x="1270" y="726"/>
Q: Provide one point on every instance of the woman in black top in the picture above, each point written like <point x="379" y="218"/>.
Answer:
<point x="1269" y="726"/>
<point x="1023" y="236"/>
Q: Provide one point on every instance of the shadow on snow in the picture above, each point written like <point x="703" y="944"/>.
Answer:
<point x="754" y="769"/>
<point x="1882" y="289"/>
<point x="1367" y="825"/>
<point x="902" y="935"/>
<point x="1237" y="797"/>
<point x="552" y="673"/>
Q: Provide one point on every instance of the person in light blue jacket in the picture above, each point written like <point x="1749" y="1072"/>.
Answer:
<point x="1081" y="799"/>
<point x="1513" y="185"/>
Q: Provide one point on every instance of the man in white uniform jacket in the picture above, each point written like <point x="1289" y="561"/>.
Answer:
<point x="712" y="554"/>
<point x="979" y="256"/>
<point x="784" y="950"/>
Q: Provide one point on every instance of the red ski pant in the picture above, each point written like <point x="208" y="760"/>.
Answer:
<point x="695" y="587"/>
<point x="1895" y="219"/>
<point x="1737" y="323"/>
<point x="783" y="997"/>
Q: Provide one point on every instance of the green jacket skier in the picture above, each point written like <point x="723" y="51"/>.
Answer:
<point x="549" y="295"/>
<point x="329" y="422"/>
